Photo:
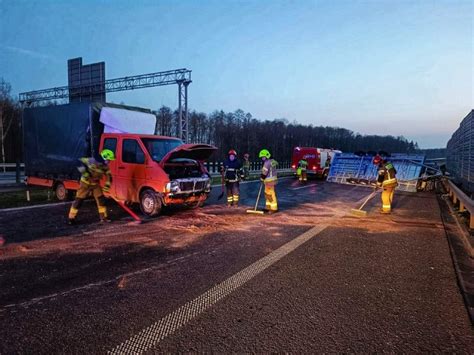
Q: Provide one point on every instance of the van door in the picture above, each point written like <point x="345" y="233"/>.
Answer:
<point x="111" y="143"/>
<point x="131" y="170"/>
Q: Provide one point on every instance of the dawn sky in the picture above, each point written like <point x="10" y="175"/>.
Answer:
<point x="375" y="67"/>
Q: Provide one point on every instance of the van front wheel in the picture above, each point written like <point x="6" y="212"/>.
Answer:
<point x="150" y="203"/>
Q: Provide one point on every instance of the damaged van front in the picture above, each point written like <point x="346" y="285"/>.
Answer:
<point x="157" y="171"/>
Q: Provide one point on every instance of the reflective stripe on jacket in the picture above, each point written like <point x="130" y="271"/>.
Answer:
<point x="303" y="164"/>
<point x="94" y="171"/>
<point x="232" y="170"/>
<point x="269" y="172"/>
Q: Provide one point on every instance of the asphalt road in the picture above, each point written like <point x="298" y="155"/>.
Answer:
<point x="309" y="279"/>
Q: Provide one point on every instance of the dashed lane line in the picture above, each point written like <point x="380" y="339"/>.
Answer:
<point x="151" y="336"/>
<point x="304" y="187"/>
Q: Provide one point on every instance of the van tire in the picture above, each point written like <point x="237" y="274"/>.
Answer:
<point x="150" y="203"/>
<point x="61" y="193"/>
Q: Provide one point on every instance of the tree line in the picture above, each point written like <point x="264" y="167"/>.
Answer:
<point x="237" y="130"/>
<point x="246" y="134"/>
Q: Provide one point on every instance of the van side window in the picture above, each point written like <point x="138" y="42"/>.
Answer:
<point x="110" y="143"/>
<point x="131" y="152"/>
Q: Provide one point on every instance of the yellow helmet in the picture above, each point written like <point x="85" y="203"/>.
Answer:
<point x="107" y="154"/>
<point x="264" y="153"/>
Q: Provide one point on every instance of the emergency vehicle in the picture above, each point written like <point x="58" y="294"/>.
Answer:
<point x="316" y="158"/>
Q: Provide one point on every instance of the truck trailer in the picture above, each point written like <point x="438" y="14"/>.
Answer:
<point x="150" y="170"/>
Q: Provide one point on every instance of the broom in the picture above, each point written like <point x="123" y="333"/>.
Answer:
<point x="256" y="203"/>
<point x="359" y="212"/>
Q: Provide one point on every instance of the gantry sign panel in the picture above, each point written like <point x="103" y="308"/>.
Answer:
<point x="86" y="75"/>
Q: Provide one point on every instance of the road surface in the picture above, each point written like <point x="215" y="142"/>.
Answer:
<point x="311" y="278"/>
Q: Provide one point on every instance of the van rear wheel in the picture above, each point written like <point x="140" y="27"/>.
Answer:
<point x="150" y="203"/>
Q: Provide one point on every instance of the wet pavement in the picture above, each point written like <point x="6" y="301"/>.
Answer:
<point x="380" y="283"/>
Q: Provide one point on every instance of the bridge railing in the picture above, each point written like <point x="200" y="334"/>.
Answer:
<point x="465" y="202"/>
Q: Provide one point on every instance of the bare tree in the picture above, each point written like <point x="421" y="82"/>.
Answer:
<point x="6" y="115"/>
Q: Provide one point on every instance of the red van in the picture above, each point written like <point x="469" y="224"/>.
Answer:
<point x="316" y="158"/>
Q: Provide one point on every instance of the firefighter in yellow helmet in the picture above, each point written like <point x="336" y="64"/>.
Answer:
<point x="269" y="179"/>
<point x="387" y="180"/>
<point x="92" y="171"/>
<point x="302" y="170"/>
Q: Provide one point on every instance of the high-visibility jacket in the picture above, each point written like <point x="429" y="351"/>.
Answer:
<point x="303" y="164"/>
<point x="232" y="171"/>
<point x="93" y="171"/>
<point x="269" y="171"/>
<point x="387" y="175"/>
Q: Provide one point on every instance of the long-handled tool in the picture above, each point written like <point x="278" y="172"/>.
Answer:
<point x="222" y="185"/>
<point x="256" y="203"/>
<point x="126" y="209"/>
<point x="359" y="212"/>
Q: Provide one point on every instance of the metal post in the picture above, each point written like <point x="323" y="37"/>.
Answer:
<point x="17" y="177"/>
<point x="185" y="121"/>
<point x="180" y="111"/>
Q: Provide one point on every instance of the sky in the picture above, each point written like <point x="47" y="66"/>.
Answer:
<point x="374" y="67"/>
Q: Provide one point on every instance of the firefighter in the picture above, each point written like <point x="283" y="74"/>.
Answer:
<point x="386" y="180"/>
<point x="92" y="171"/>
<point x="246" y="166"/>
<point x="269" y="179"/>
<point x="232" y="174"/>
<point x="303" y="170"/>
<point x="327" y="163"/>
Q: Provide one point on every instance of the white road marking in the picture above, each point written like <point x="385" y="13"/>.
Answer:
<point x="35" y="206"/>
<point x="304" y="187"/>
<point x="149" y="337"/>
<point x="97" y="284"/>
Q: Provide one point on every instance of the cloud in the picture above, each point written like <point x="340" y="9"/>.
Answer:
<point x="29" y="53"/>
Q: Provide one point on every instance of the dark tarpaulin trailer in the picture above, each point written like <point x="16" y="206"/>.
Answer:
<point x="55" y="137"/>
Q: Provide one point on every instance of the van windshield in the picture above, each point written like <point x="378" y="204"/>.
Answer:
<point x="158" y="148"/>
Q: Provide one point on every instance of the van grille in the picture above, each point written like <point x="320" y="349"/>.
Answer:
<point x="192" y="185"/>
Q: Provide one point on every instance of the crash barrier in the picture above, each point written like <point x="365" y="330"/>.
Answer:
<point x="12" y="166"/>
<point x="12" y="172"/>
<point x="347" y="168"/>
<point x="465" y="203"/>
<point x="460" y="153"/>
<point x="215" y="167"/>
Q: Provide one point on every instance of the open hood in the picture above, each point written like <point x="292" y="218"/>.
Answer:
<point x="189" y="151"/>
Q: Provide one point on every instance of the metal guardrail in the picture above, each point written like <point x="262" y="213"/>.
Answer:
<point x="11" y="165"/>
<point x="465" y="203"/>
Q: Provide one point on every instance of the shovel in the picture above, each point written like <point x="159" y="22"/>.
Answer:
<point x="222" y="192"/>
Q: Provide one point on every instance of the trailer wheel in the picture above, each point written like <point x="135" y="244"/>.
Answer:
<point x="150" y="203"/>
<point x="62" y="194"/>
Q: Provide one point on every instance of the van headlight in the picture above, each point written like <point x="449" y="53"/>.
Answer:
<point x="208" y="186"/>
<point x="172" y="186"/>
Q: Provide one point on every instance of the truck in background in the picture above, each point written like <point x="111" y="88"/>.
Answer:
<point x="153" y="171"/>
<point x="316" y="158"/>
